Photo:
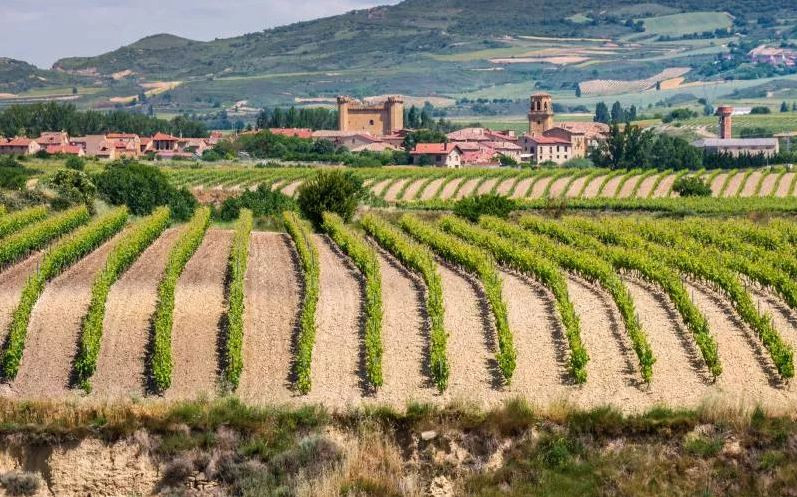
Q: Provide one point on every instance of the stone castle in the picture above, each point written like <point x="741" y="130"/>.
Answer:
<point x="379" y="119"/>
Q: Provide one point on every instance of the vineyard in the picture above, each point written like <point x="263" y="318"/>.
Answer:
<point x="636" y="311"/>
<point x="405" y="186"/>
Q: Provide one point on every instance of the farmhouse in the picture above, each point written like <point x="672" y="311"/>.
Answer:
<point x="542" y="148"/>
<point x="726" y="144"/>
<point x="59" y="138"/>
<point x="437" y="154"/>
<point x="19" y="146"/>
<point x="385" y="118"/>
<point x="773" y="56"/>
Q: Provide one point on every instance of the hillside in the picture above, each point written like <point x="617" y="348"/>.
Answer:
<point x="17" y="76"/>
<point x="453" y="48"/>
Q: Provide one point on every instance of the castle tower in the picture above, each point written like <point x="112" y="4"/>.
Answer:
<point x="395" y="112"/>
<point x="725" y="113"/>
<point x="541" y="114"/>
<point x="343" y="113"/>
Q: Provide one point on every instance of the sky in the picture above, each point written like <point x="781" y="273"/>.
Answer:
<point x="43" y="31"/>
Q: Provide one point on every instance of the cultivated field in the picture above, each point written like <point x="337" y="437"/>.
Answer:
<point x="635" y="312"/>
<point x="407" y="185"/>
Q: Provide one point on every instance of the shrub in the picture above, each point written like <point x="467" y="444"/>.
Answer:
<point x="236" y="272"/>
<point x="262" y="202"/>
<point x="472" y="208"/>
<point x="20" y="483"/>
<point x="75" y="163"/>
<point x="691" y="186"/>
<point x="13" y="175"/>
<point x="338" y="192"/>
<point x="761" y="110"/>
<point x="142" y="188"/>
<point x="73" y="187"/>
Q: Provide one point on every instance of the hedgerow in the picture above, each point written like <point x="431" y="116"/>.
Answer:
<point x="60" y="257"/>
<point x="16" y="220"/>
<point x="420" y="259"/>
<point x="366" y="260"/>
<point x="236" y="272"/>
<point x="483" y="266"/>
<point x="161" y="362"/>
<point x="21" y="243"/>
<point x="311" y="270"/>
<point x="119" y="260"/>
<point x="530" y="263"/>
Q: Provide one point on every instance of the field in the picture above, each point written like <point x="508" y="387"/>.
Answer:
<point x="632" y="311"/>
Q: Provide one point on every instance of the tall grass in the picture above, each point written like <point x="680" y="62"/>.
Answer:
<point x="120" y="259"/>
<point x="161" y="363"/>
<point x="60" y="257"/>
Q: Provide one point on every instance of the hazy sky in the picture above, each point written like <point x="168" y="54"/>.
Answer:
<point x="43" y="31"/>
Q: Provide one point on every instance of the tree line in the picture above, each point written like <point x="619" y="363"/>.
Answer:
<point x="34" y="119"/>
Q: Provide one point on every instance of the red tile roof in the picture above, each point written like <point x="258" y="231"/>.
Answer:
<point x="549" y="140"/>
<point x="296" y="132"/>
<point x="163" y="137"/>
<point x="64" y="149"/>
<point x="434" y="148"/>
<point x="17" y="142"/>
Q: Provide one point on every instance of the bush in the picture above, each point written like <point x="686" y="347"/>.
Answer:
<point x="473" y="208"/>
<point x="20" y="483"/>
<point x="761" y="110"/>
<point x="262" y="202"/>
<point x="338" y="192"/>
<point x="12" y="174"/>
<point x="142" y="188"/>
<point x="691" y="186"/>
<point x="76" y="163"/>
<point x="73" y="187"/>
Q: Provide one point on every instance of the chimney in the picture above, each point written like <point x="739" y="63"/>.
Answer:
<point x="725" y="113"/>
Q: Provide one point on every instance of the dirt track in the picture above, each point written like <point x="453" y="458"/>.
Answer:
<point x="487" y="186"/>
<point x="468" y="188"/>
<point x="716" y="185"/>
<point x="450" y="188"/>
<point x="734" y="184"/>
<point x="504" y="186"/>
<point x="273" y="300"/>
<point x="54" y="328"/>
<point x="539" y="187"/>
<point x="558" y="186"/>
<point x="198" y="309"/>
<point x="121" y="366"/>
<point x="768" y="186"/>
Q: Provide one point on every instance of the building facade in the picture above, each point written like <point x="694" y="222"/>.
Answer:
<point x="379" y="119"/>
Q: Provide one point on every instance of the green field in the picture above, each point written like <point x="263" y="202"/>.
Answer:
<point x="684" y="24"/>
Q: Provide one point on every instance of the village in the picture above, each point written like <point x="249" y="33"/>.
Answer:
<point x="378" y="127"/>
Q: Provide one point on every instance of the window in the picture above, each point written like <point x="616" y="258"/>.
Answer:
<point x="371" y="122"/>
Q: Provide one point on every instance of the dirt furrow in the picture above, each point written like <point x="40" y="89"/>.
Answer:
<point x="646" y="186"/>
<point x="405" y="336"/>
<point x="558" y="186"/>
<point x="487" y="186"/>
<point x="412" y="190"/>
<point x="539" y="187"/>
<point x="748" y="373"/>
<point x="784" y="317"/>
<point x="121" y="365"/>
<point x="380" y="186"/>
<point x="664" y="188"/>
<point x="522" y="188"/>
<point x="292" y="188"/>
<point x="54" y="329"/>
<point x="716" y="185"/>
<point x="628" y="187"/>
<point x="768" y="186"/>
<point x="748" y="190"/>
<point x="12" y="281"/>
<point x="468" y="188"/>
<point x="734" y="184"/>
<point x="505" y="186"/>
<point x="199" y="306"/>
<point x="450" y="188"/>
<point x="610" y="190"/>
<point x="431" y="189"/>
<point x="784" y="186"/>
<point x="576" y="187"/>
<point x="337" y="370"/>
<point x="273" y="302"/>
<point x="392" y="192"/>
<point x="593" y="186"/>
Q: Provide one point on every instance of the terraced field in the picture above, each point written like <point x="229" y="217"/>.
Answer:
<point x="407" y="185"/>
<point x="628" y="311"/>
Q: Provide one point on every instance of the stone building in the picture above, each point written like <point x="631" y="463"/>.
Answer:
<point x="727" y="144"/>
<point x="379" y="119"/>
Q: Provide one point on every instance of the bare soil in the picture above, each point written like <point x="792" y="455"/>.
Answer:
<point x="748" y="190"/>
<point x="646" y="187"/>
<point x="199" y="305"/>
<point x="594" y="186"/>
<point x="337" y="378"/>
<point x="54" y="329"/>
<point x="468" y="188"/>
<point x="393" y="190"/>
<point x="12" y="282"/>
<point x="539" y="187"/>
<point x="412" y="190"/>
<point x="610" y="190"/>
<point x="273" y="301"/>
<point x="785" y="185"/>
<point x="431" y="189"/>
<point x="487" y="186"/>
<point x="576" y="187"/>
<point x="379" y="187"/>
<point x="664" y="188"/>
<point x="292" y="188"/>
<point x="768" y="186"/>
<point x="784" y="317"/>
<point x="716" y="185"/>
<point x="121" y="366"/>
<point x="734" y="184"/>
<point x="450" y="188"/>
<point x="558" y="186"/>
<point x="628" y="187"/>
<point x="505" y="186"/>
<point x="522" y="188"/>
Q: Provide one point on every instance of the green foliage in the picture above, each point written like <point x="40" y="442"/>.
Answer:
<point x="60" y="257"/>
<point x="140" y="236"/>
<point x="262" y="202"/>
<point x="236" y="272"/>
<point x="142" y="188"/>
<point x="520" y="258"/>
<point x="423" y="136"/>
<point x="73" y="187"/>
<point x="338" y="192"/>
<point x="36" y="235"/>
<point x="483" y="266"/>
<point x="75" y="163"/>
<point x="16" y="220"/>
<point x="691" y="186"/>
<point x="633" y="147"/>
<point x="311" y="271"/>
<point x="366" y="260"/>
<point x="161" y="362"/>
<point x="472" y="208"/>
<point x="419" y="259"/>
<point x="13" y="175"/>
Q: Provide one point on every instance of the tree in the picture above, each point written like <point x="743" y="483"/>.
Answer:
<point x="73" y="187"/>
<point x="602" y="113"/>
<point x="423" y="136"/>
<point x="506" y="160"/>
<point x="632" y="113"/>
<point x="691" y="186"/>
<point x="75" y="162"/>
<point x="472" y="208"/>
<point x="618" y="113"/>
<point x="784" y="107"/>
<point x="330" y="191"/>
<point x="413" y="118"/>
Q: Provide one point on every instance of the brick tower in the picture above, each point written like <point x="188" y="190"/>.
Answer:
<point x="540" y="114"/>
<point x="725" y="113"/>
